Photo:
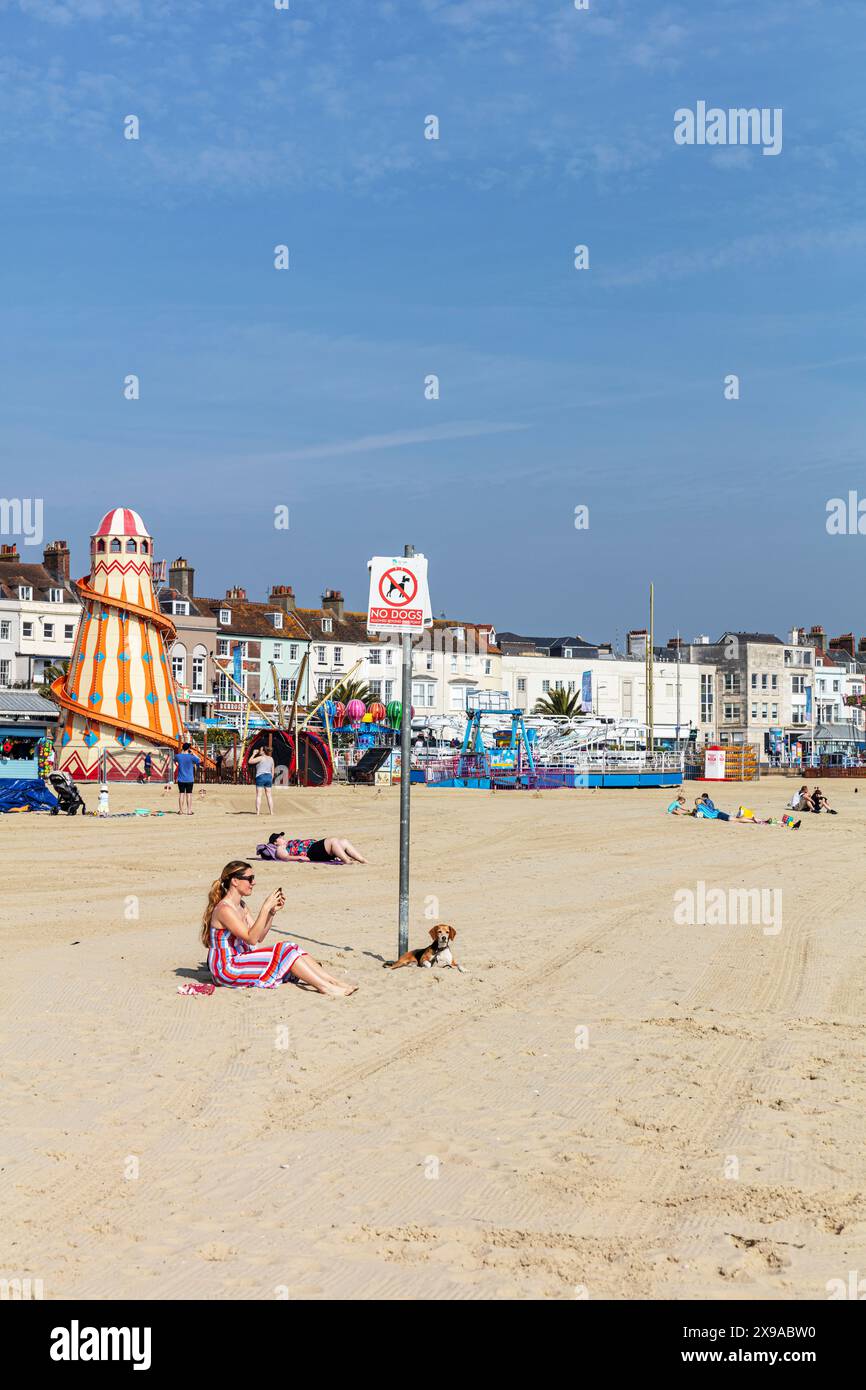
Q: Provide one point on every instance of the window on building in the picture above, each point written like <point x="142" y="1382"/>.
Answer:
<point x="327" y="624"/>
<point x="429" y="661"/>
<point x="487" y="666"/>
<point x="764" y="714"/>
<point x="389" y="656"/>
<point x="198" y="669"/>
<point x="774" y="711"/>
<point x="732" y="713"/>
<point x="26" y="629"/>
<point x="389" y="691"/>
<point x="25" y="593"/>
<point x="807" y="658"/>
<point x="376" y="689"/>
<point x="293" y="651"/>
<point x="457" y="697"/>
<point x="338" y="656"/>
<point x="115" y="546"/>
<point x="454" y="665"/>
<point x="278" y="651"/>
<point x="321" y="685"/>
<point x="763" y="682"/>
<point x="178" y="668"/>
<point x="754" y="711"/>
<point x="545" y="686"/>
<point x="571" y="687"/>
<point x="375" y="657"/>
<point x="707" y="698"/>
<point x="835" y="687"/>
<point x="774" y="682"/>
<point x="521" y="684"/>
<point x="789" y="657"/>
<point x="732" y="682"/>
<point x="5" y="669"/>
<point x="55" y="595"/>
<point x="285" y="689"/>
<point x="754" y="680"/>
<point x="225" y="616"/>
<point x="568" y="653"/>
<point x="423" y="694"/>
<point x="222" y="646"/>
<point x="48" y="631"/>
<point x="180" y="608"/>
<point x="320" y="655"/>
<point x="5" y="631"/>
<point x="131" y="548"/>
<point x="278" y="620"/>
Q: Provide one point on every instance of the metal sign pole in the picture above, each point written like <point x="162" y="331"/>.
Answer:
<point x="405" y="783"/>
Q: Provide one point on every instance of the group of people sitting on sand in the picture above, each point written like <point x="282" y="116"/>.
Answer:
<point x="236" y="955"/>
<point x="814" y="801"/>
<point x="705" y="809"/>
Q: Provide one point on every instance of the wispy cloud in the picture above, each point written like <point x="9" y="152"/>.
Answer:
<point x="397" y="439"/>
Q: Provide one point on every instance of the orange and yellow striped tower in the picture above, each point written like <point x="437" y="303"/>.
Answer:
<point x="118" y="694"/>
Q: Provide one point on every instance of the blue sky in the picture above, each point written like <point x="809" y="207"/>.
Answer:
<point x="410" y="257"/>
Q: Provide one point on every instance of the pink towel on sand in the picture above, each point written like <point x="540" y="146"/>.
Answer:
<point x="192" y="988"/>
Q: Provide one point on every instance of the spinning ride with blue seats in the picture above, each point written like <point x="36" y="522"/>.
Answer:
<point x="508" y="762"/>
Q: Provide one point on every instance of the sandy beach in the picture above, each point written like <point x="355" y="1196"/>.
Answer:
<point x="608" y="1104"/>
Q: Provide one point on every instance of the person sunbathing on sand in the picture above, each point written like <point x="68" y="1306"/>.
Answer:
<point x="232" y="935"/>
<point x="331" y="850"/>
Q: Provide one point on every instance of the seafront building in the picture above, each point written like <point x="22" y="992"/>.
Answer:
<point x="39" y="612"/>
<point x="781" y="696"/>
<point x="260" y="649"/>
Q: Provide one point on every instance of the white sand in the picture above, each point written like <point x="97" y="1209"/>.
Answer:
<point x="305" y="1167"/>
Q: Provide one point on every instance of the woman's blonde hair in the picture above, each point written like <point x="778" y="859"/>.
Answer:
<point x="218" y="890"/>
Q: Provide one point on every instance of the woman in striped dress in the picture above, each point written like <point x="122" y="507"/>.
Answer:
<point x="233" y="936"/>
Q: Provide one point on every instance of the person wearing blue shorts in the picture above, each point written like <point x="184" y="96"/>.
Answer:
<point x="263" y="764"/>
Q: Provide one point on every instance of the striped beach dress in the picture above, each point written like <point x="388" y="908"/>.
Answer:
<point x="233" y="961"/>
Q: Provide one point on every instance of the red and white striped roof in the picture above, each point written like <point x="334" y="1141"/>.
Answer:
<point x="122" y="521"/>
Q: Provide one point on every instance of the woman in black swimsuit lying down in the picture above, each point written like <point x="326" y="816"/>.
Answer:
<point x="333" y="849"/>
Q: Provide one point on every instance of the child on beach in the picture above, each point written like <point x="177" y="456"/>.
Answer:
<point x="678" y="807"/>
<point x="233" y="937"/>
<point x="331" y="850"/>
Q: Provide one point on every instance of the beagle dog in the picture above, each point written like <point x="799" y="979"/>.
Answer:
<point x="438" y="953"/>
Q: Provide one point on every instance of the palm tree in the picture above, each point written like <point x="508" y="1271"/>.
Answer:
<point x="349" y="690"/>
<point x="558" y="701"/>
<point x="50" y="674"/>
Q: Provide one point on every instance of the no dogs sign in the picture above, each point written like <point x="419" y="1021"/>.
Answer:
<point x="399" y="600"/>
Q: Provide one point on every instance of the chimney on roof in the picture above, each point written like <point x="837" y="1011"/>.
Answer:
<point x="9" y="552"/>
<point x="814" y="637"/>
<point x="674" y="642"/>
<point x="845" y="643"/>
<point x="237" y="593"/>
<point x="181" y="577"/>
<point x="636" y="641"/>
<point x="55" y="558"/>
<point x="282" y="596"/>
<point x="333" y="599"/>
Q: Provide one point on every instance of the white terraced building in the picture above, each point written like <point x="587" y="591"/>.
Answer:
<point x="39" y="614"/>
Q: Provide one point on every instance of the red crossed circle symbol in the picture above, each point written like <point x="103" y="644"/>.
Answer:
<point x="398" y="587"/>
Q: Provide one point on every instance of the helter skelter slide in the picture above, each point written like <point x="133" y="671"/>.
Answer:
<point x="118" y="697"/>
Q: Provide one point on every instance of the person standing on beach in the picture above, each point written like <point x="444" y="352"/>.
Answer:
<point x="185" y="764"/>
<point x="263" y="763"/>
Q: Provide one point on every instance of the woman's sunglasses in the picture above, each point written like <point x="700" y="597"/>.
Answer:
<point x="246" y="878"/>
